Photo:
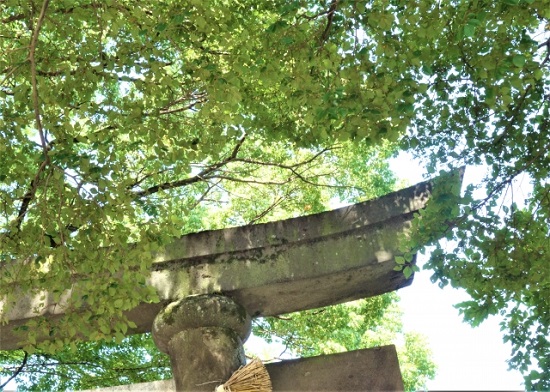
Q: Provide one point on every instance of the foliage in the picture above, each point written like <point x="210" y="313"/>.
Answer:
<point x="119" y="118"/>
<point x="487" y="105"/>
<point x="91" y="365"/>
<point x="351" y="326"/>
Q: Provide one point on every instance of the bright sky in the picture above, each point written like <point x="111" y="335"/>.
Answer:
<point x="467" y="358"/>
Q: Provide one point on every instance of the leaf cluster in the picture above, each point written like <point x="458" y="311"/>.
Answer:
<point x="89" y="365"/>
<point x="486" y="105"/>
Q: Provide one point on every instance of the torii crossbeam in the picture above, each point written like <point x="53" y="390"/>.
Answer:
<point x="260" y="270"/>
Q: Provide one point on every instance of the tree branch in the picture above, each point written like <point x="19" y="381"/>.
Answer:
<point x="515" y="113"/>
<point x="545" y="43"/>
<point x="209" y="174"/>
<point x="282" y="166"/>
<point x="35" y="98"/>
<point x="36" y="105"/>
<point x="249" y="181"/>
<point x="203" y="196"/>
<point x="292" y="169"/>
<point x="330" y="17"/>
<point x="13" y="18"/>
<point x="266" y="211"/>
<point x="183" y="108"/>
<point x="30" y="195"/>
<point x="19" y="370"/>
<point x="197" y="178"/>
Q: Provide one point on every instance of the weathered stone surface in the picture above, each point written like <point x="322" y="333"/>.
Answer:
<point x="374" y="369"/>
<point x="277" y="267"/>
<point x="153" y="386"/>
<point x="203" y="335"/>
<point x="202" y="358"/>
<point x="208" y="310"/>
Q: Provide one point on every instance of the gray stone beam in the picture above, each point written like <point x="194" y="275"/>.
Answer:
<point x="277" y="267"/>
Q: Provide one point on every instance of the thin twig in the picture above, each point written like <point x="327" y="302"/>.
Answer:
<point x="197" y="178"/>
<point x="266" y="211"/>
<point x="249" y="181"/>
<point x="183" y="108"/>
<point x="283" y="166"/>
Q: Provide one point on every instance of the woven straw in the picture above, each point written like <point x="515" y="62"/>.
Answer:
<point x="252" y="377"/>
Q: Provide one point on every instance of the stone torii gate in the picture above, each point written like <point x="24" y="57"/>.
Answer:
<point x="212" y="283"/>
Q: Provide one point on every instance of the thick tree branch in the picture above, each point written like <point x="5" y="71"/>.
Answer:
<point x="547" y="45"/>
<point x="315" y="16"/>
<point x="330" y="17"/>
<point x="36" y="105"/>
<point x="30" y="194"/>
<point x="547" y="57"/>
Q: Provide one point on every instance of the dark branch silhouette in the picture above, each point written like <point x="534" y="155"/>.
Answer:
<point x="17" y="371"/>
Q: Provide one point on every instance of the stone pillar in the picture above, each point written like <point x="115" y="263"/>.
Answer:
<point x="203" y="335"/>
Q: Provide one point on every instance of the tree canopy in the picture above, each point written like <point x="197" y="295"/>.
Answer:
<point x="120" y="118"/>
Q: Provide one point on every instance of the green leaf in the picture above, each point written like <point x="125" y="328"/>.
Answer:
<point x="474" y="22"/>
<point x="469" y="30"/>
<point x="161" y="27"/>
<point x="519" y="60"/>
